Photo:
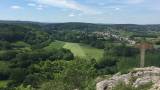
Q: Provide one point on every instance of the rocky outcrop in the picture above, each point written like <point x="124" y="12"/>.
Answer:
<point x="137" y="77"/>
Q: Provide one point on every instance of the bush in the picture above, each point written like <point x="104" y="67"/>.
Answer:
<point x="107" y="66"/>
<point x="8" y="55"/>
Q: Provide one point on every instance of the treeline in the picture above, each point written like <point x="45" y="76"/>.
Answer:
<point x="112" y="57"/>
<point x="84" y="26"/>
<point x="11" y="33"/>
<point x="79" y="37"/>
<point x="21" y="64"/>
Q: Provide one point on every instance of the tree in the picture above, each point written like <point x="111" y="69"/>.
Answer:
<point x="79" y="73"/>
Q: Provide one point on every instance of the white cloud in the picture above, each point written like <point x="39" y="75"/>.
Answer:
<point x="32" y="4"/>
<point x="135" y="1"/>
<point x="71" y="15"/>
<point x="16" y="7"/>
<point x="117" y="8"/>
<point x="71" y="4"/>
<point x="39" y="8"/>
<point x="101" y="4"/>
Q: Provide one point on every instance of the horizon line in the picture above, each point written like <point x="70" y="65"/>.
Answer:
<point x="44" y="22"/>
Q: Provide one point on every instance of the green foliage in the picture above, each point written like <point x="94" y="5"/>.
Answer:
<point x="127" y="63"/>
<point x="5" y="45"/>
<point x="22" y="87"/>
<point x="8" y="55"/>
<point x="78" y="74"/>
<point x="36" y="37"/>
<point x="98" y="44"/>
<point x="158" y="42"/>
<point x="12" y="33"/>
<point x="17" y="74"/>
<point x="152" y="58"/>
<point x="107" y="66"/>
<point x="27" y="58"/>
<point x="121" y="50"/>
<point x="4" y="70"/>
<point x="3" y="84"/>
<point x="54" y="85"/>
<point x="34" y="79"/>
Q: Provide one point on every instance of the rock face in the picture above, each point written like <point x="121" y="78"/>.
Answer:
<point x="138" y="77"/>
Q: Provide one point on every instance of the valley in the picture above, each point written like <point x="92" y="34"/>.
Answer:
<point x="69" y="56"/>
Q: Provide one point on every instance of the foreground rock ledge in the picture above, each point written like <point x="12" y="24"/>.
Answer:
<point x="141" y="76"/>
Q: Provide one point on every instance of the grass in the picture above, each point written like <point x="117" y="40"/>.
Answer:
<point x="84" y="51"/>
<point x="78" y="49"/>
<point x="92" y="52"/>
<point x="3" y="84"/>
<point x="75" y="48"/>
<point x="55" y="45"/>
<point x="125" y="34"/>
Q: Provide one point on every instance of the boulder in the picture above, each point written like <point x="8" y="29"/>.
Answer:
<point x="141" y="76"/>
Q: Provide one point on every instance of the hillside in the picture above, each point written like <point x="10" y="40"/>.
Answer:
<point x="86" y="26"/>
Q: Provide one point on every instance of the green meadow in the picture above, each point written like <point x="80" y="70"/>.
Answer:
<point x="55" y="45"/>
<point x="84" y="51"/>
<point x="78" y="49"/>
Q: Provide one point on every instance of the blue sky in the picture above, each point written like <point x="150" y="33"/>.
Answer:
<point x="93" y="11"/>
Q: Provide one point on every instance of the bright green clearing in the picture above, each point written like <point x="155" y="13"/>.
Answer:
<point x="78" y="49"/>
<point x="55" y="45"/>
<point x="84" y="51"/>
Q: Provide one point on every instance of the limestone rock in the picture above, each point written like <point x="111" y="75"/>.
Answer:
<point x="142" y="76"/>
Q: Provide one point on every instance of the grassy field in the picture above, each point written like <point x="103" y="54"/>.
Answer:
<point x="84" y="51"/>
<point x="92" y="52"/>
<point x="78" y="49"/>
<point x="55" y="45"/>
<point x="75" y="48"/>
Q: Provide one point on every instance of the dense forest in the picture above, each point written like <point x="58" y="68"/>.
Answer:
<point x="33" y="56"/>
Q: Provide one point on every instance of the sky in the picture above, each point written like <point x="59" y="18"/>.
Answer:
<point x="92" y="11"/>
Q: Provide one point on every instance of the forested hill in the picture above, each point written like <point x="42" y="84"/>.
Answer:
<point x="83" y="26"/>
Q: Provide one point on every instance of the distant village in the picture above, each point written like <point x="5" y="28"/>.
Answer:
<point x="117" y="37"/>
